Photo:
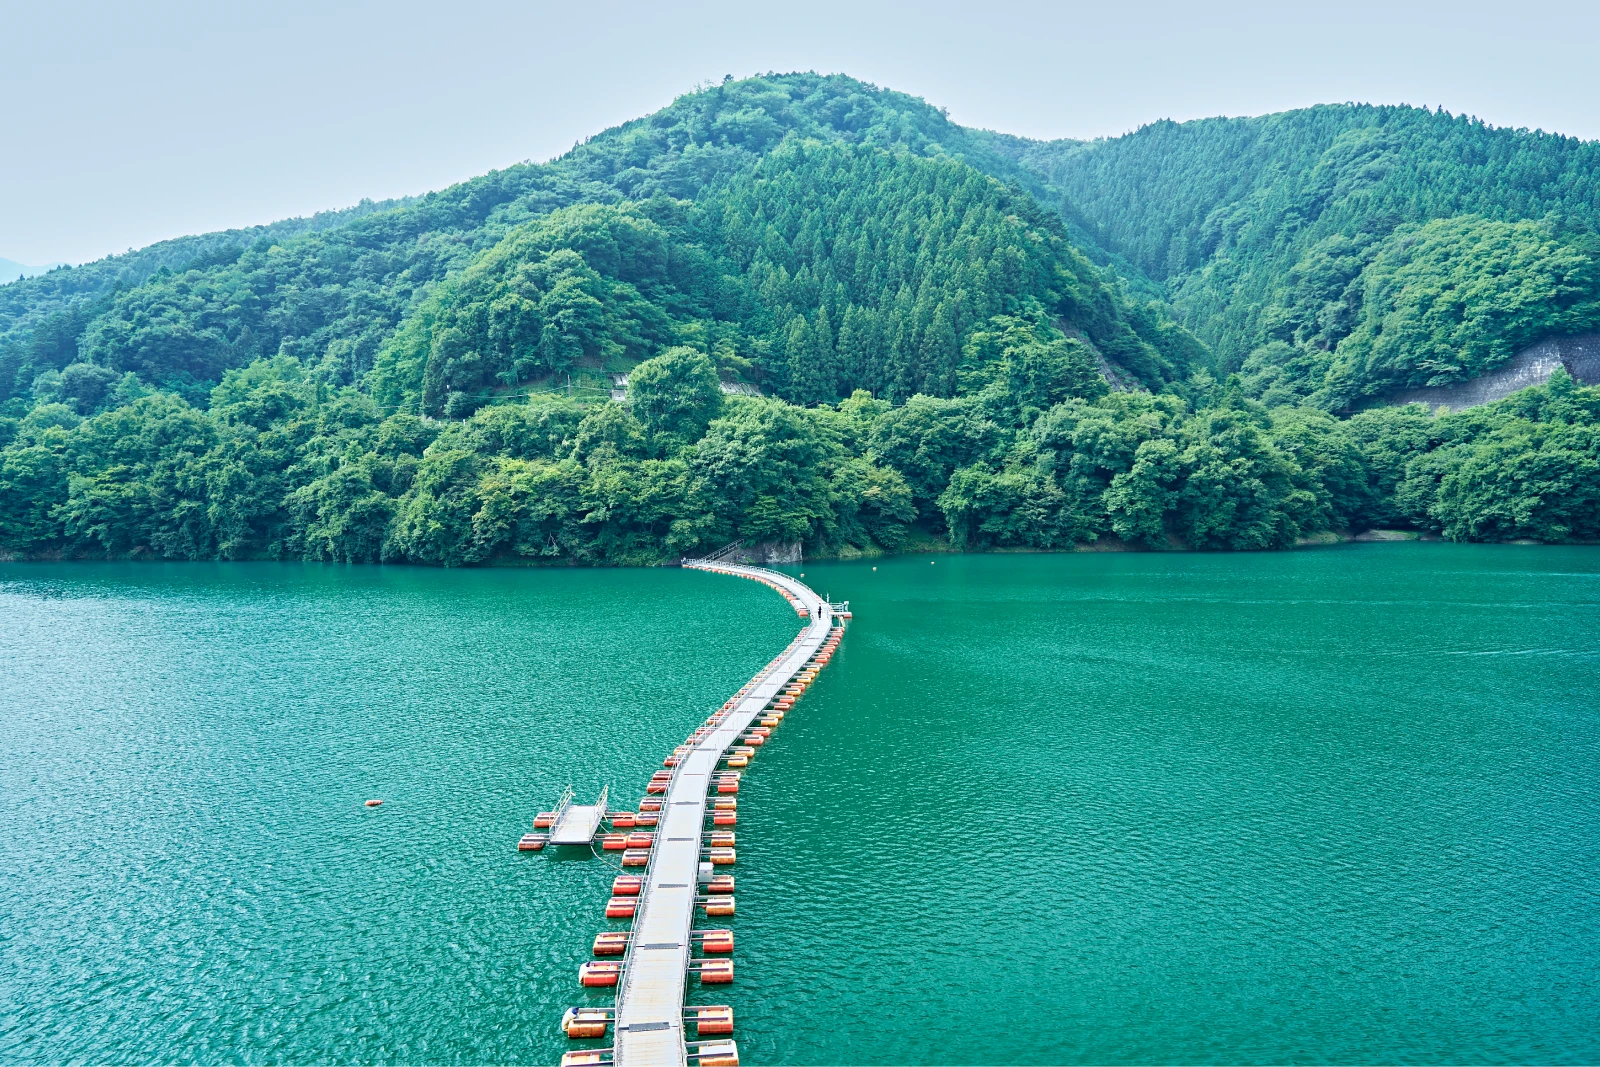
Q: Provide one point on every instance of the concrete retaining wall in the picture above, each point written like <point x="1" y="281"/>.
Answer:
<point x="1580" y="355"/>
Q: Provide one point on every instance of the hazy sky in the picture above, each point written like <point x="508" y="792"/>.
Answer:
<point x="127" y="123"/>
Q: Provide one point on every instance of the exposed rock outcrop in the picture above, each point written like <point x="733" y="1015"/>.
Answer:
<point x="766" y="552"/>
<point x="1116" y="377"/>
<point x="1580" y="355"/>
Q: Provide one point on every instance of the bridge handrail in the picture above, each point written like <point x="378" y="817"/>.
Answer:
<point x="757" y="569"/>
<point x="720" y="554"/>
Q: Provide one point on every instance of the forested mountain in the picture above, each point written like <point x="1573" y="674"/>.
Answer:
<point x="956" y="330"/>
<point x="329" y="290"/>
<point x="1340" y="252"/>
<point x="828" y="267"/>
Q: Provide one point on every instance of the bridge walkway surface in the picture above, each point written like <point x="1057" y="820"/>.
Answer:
<point x="650" y="997"/>
<point x="576" y="824"/>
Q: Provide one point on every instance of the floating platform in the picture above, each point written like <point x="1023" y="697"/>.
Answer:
<point x="576" y="824"/>
<point x="650" y="1014"/>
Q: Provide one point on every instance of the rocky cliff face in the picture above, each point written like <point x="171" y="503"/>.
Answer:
<point x="1580" y="355"/>
<point x="769" y="552"/>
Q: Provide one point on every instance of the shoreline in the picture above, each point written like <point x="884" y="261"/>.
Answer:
<point x="919" y="546"/>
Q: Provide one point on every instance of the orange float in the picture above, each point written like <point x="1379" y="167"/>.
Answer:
<point x="626" y="885"/>
<point x="610" y="944"/>
<point x="595" y="974"/>
<point x="719" y="1054"/>
<point x="712" y="1020"/>
<point x="717" y="942"/>
<point x="716" y="972"/>
<point x="621" y="907"/>
<point x="593" y="1022"/>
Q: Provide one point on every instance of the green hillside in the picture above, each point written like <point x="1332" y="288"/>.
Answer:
<point x="940" y="319"/>
<point x="824" y="269"/>
<point x="329" y="290"/>
<point x="1340" y="252"/>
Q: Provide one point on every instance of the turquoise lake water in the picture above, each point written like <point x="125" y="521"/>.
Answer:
<point x="1338" y="805"/>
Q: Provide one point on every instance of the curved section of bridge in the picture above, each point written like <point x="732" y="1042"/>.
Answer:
<point x="649" y="1016"/>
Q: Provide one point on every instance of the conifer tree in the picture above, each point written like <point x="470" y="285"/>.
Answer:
<point x="796" y="341"/>
<point x="823" y="360"/>
<point x="941" y="354"/>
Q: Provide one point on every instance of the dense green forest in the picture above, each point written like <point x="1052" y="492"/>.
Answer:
<point x="1340" y="252"/>
<point x="1157" y="340"/>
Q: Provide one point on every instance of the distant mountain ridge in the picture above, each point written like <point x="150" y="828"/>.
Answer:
<point x="11" y="270"/>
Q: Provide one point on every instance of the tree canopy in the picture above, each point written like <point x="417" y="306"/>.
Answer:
<point x="844" y="320"/>
<point x="1341" y="251"/>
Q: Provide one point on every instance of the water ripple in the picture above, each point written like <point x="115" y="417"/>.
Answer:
<point x="1332" y="806"/>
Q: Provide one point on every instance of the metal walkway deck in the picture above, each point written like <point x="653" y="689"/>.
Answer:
<point x="576" y="824"/>
<point x="649" y="1011"/>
